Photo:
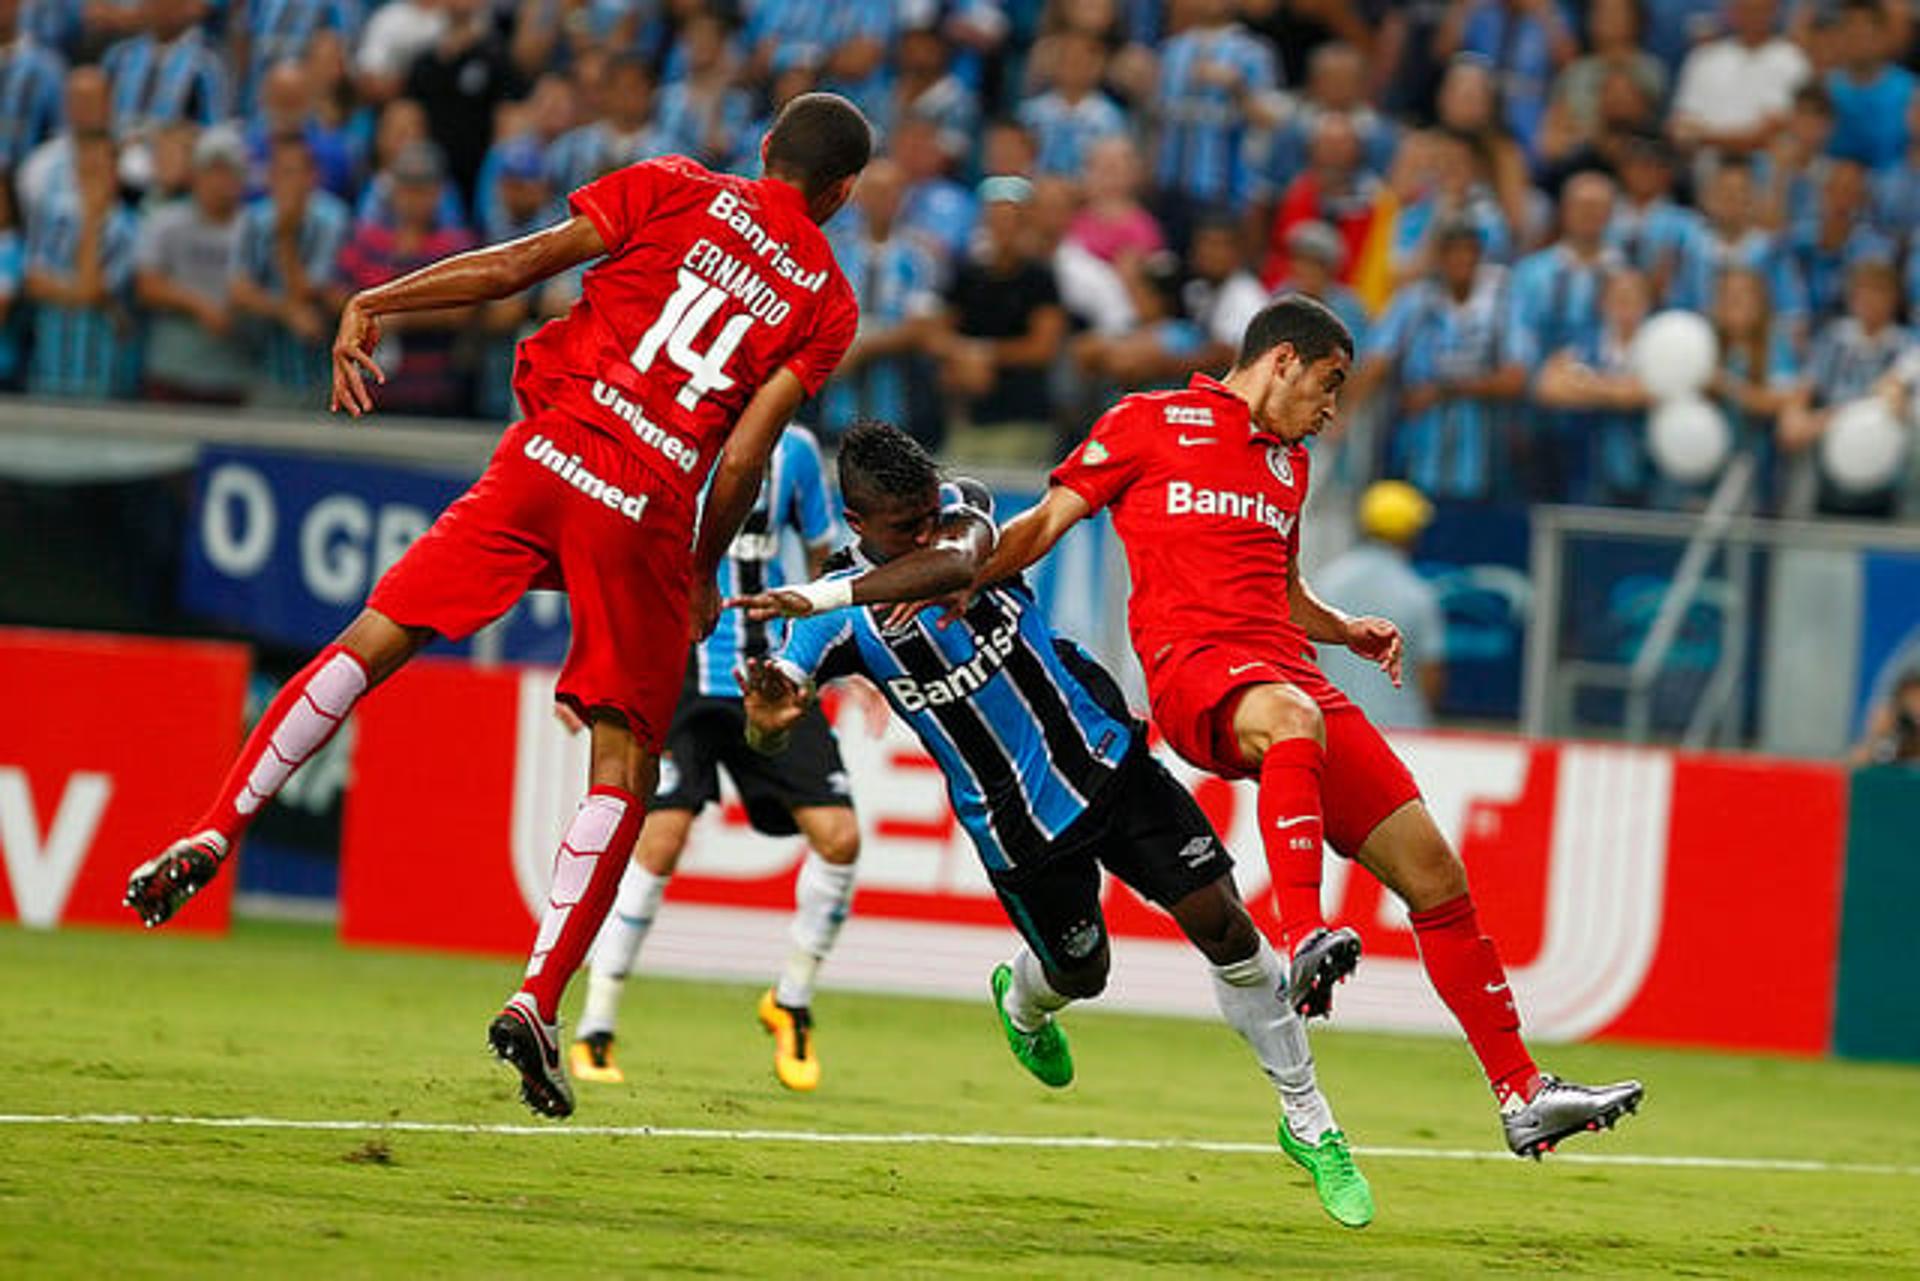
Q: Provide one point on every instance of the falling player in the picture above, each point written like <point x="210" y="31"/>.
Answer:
<point x="1206" y="486"/>
<point x="1048" y="773"/>
<point x="715" y="309"/>
<point x="801" y="790"/>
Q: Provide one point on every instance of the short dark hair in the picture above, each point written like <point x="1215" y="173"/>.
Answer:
<point x="1303" y="323"/>
<point x="819" y="138"/>
<point x="879" y="464"/>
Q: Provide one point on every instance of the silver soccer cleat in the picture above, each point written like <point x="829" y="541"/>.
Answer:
<point x="1565" y="1108"/>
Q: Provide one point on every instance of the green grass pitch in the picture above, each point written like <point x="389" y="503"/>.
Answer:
<point x="281" y="1021"/>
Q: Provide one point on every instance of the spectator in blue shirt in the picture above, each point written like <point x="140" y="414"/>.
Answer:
<point x="1592" y="384"/>
<point x="1825" y="250"/>
<point x="1896" y="190"/>
<point x="286" y="105"/>
<point x="1336" y="86"/>
<point x="1074" y="114"/>
<point x="1851" y="356"/>
<point x="626" y="133"/>
<point x="884" y="371"/>
<point x="1445" y="340"/>
<point x="1217" y="79"/>
<point x="1870" y="93"/>
<point x="281" y="30"/>
<point x="1733" y="236"/>
<point x="80" y="247"/>
<point x="170" y="73"/>
<point x="283" y="272"/>
<point x="1524" y="42"/>
<point x="1759" y="364"/>
<point x="1554" y="303"/>
<point x="52" y="23"/>
<point x="31" y="79"/>
<point x="1649" y="227"/>
<point x="938" y="211"/>
<point x="924" y="85"/>
<point x="702" y="112"/>
<point x="1792" y="170"/>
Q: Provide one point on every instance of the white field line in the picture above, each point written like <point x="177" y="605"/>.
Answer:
<point x="922" y="1139"/>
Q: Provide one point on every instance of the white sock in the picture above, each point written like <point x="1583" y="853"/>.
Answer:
<point x="1249" y="994"/>
<point x="634" y="908"/>
<point x="821" y="897"/>
<point x="1030" y="1000"/>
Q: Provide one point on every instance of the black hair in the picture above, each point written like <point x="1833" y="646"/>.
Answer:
<point x="819" y="138"/>
<point x="1813" y="96"/>
<point x="1302" y="323"/>
<point x="879" y="464"/>
<point x="625" y="62"/>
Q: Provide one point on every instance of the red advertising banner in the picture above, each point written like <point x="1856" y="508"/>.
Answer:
<point x="1635" y="893"/>
<point x="108" y="747"/>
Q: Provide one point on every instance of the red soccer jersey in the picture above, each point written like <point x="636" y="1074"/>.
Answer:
<point x="711" y="284"/>
<point x="1208" y="507"/>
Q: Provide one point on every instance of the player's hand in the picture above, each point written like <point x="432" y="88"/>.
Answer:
<point x="952" y="609"/>
<point x="763" y="607"/>
<point x="353" y="346"/>
<point x="772" y="701"/>
<point x="1379" y="640"/>
<point x="705" y="607"/>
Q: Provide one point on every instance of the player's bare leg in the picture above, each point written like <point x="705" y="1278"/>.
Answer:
<point x="663" y="839"/>
<point x="1250" y="985"/>
<point x="308" y="710"/>
<point x="1411" y="857"/>
<point x="1281" y="733"/>
<point x="821" y="896"/>
<point x="586" y="874"/>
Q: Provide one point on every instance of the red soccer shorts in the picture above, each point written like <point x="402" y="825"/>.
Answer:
<point x="562" y="506"/>
<point x="1194" y="693"/>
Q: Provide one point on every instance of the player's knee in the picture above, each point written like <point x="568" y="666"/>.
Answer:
<point x="1274" y="714"/>
<point x="837" y="839"/>
<point x="1085" y="980"/>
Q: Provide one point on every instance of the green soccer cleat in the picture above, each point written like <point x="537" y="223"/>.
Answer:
<point x="1043" y="1053"/>
<point x="1343" y="1190"/>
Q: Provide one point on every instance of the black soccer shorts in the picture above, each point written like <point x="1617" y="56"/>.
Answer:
<point x="708" y="733"/>
<point x="1144" y="828"/>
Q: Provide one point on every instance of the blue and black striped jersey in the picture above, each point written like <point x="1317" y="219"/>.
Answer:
<point x="1027" y="729"/>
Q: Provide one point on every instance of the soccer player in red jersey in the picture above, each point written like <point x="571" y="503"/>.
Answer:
<point x="1206" y="486"/>
<point x="714" y="309"/>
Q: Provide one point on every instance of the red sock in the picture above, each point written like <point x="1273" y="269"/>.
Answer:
<point x="1466" y="971"/>
<point x="1290" y="829"/>
<point x="299" y="721"/>
<point x="586" y="876"/>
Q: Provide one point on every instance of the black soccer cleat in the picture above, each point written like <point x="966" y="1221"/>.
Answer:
<point x="162" y="885"/>
<point x="1324" y="958"/>
<point x="1562" y="1109"/>
<point x="520" y="1039"/>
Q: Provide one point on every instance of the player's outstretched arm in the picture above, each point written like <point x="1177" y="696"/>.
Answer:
<point x="945" y="566"/>
<point x="1032" y="534"/>
<point x="479" y="275"/>
<point x="736" y="481"/>
<point x="1371" y="638"/>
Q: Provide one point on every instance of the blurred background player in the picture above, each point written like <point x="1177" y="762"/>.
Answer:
<point x="1376" y="577"/>
<point x="804" y="789"/>
<point x="1206" y="487"/>
<point x="1047" y="770"/>
<point x="632" y="407"/>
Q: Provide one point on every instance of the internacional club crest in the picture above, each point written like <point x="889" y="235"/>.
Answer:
<point x="1280" y="465"/>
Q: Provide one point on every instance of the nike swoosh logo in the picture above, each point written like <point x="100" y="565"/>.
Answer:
<point x="1198" y="440"/>
<point x="1282" y="824"/>
<point x="1238" y="668"/>
<point x="1495" y="987"/>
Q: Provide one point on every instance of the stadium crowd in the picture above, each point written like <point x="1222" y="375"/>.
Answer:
<point x="1073" y="198"/>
